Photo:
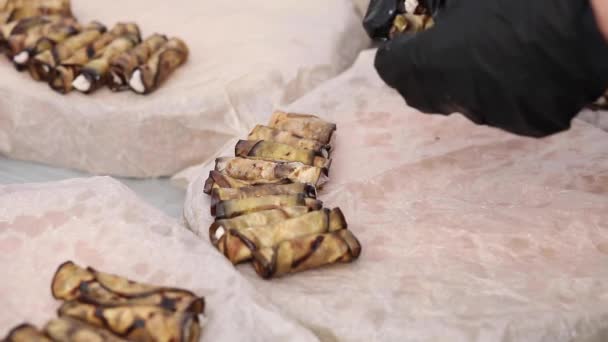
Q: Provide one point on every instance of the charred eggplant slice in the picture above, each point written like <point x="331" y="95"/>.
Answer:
<point x="238" y="244"/>
<point x="308" y="252"/>
<point x="136" y="322"/>
<point x="234" y="208"/>
<point x="304" y="125"/>
<point x="261" y="171"/>
<point x="72" y="282"/>
<point x="260" y="132"/>
<point x="223" y="194"/>
<point x="273" y="151"/>
<point x="148" y="77"/>
<point x="256" y="219"/>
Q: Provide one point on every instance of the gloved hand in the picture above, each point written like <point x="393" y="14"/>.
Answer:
<point x="525" y="66"/>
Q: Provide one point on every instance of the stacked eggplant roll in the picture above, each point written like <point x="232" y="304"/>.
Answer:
<point x="265" y="204"/>
<point x="99" y="306"/>
<point x="42" y="37"/>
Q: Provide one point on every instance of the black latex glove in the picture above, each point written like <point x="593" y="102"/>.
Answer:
<point x="526" y="66"/>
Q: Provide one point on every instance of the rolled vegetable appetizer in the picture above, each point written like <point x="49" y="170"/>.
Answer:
<point x="72" y="282"/>
<point x="136" y="322"/>
<point x="44" y="40"/>
<point x="148" y="77"/>
<point x="70" y="330"/>
<point x="304" y="125"/>
<point x="122" y="67"/>
<point x="66" y="72"/>
<point x="238" y="244"/>
<point x="23" y="26"/>
<point x="306" y="253"/>
<point x="26" y="333"/>
<point x="42" y="65"/>
<point x="256" y="219"/>
<point x="223" y="194"/>
<point x="20" y="44"/>
<point x="94" y="74"/>
<point x="260" y="132"/>
<point x="21" y="9"/>
<point x="233" y="208"/>
<point x="273" y="151"/>
<point x="262" y="171"/>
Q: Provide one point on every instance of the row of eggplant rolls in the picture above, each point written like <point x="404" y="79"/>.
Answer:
<point x="98" y="306"/>
<point x="265" y="204"/>
<point x="55" y="48"/>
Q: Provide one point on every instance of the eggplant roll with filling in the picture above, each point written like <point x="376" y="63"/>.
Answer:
<point x="122" y="67"/>
<point x="24" y="26"/>
<point x="268" y="172"/>
<point x="148" y="77"/>
<point x="306" y="253"/>
<point x="72" y="282"/>
<point x="22" y="9"/>
<point x="234" y="208"/>
<point x="43" y="64"/>
<point x="71" y="330"/>
<point x="304" y="125"/>
<point x="140" y="323"/>
<point x="42" y="40"/>
<point x="26" y="333"/>
<point x="95" y="74"/>
<point x="238" y="245"/>
<point x="256" y="219"/>
<point x="66" y="72"/>
<point x="273" y="151"/>
<point x="224" y="194"/>
<point x="260" y="132"/>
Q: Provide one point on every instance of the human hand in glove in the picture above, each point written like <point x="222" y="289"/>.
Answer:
<point x="525" y="66"/>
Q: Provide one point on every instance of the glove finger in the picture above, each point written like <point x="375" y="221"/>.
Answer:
<point x="379" y="17"/>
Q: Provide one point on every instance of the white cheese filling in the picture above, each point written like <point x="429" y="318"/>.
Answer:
<point x="219" y="233"/>
<point x="81" y="83"/>
<point x="21" y="58"/>
<point x="137" y="83"/>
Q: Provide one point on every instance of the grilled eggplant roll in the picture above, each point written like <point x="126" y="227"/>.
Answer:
<point x="43" y="64"/>
<point x="234" y="208"/>
<point x="224" y="194"/>
<point x="72" y="282"/>
<point x="20" y="9"/>
<point x="304" y="125"/>
<point x="140" y="323"/>
<point x="70" y="330"/>
<point x="23" y="27"/>
<point x="122" y="67"/>
<point x="260" y="132"/>
<point x="18" y="42"/>
<point x="95" y="73"/>
<point x="66" y="72"/>
<point x="257" y="219"/>
<point x="26" y="333"/>
<point x="273" y="151"/>
<point x="267" y="172"/>
<point x="237" y="245"/>
<point x="216" y="180"/>
<point x="306" y="253"/>
<point x="42" y="40"/>
<point x="162" y="63"/>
